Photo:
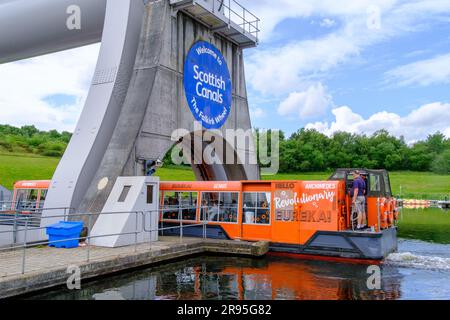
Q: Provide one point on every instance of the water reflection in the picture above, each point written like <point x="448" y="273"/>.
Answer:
<point x="240" y="278"/>
<point x="419" y="271"/>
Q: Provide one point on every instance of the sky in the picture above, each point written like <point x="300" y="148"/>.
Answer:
<point x="332" y="65"/>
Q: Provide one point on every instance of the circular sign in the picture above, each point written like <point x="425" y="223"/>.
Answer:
<point x="207" y="84"/>
<point x="102" y="184"/>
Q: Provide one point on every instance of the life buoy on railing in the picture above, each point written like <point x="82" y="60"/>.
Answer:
<point x="384" y="213"/>
<point x="391" y="212"/>
<point x="395" y="211"/>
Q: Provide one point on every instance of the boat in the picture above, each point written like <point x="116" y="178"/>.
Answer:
<point x="302" y="219"/>
<point x="305" y="219"/>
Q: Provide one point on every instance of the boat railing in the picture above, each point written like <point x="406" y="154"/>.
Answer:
<point x="142" y="219"/>
<point x="13" y="205"/>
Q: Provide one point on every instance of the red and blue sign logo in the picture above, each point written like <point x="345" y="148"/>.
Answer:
<point x="207" y="84"/>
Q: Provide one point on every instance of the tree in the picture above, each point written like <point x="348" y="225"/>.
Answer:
<point x="420" y="158"/>
<point x="441" y="164"/>
<point x="29" y="131"/>
<point x="436" y="143"/>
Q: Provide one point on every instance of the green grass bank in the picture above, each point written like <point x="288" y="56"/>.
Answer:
<point x="419" y="185"/>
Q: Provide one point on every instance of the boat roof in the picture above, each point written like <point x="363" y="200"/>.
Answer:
<point x="363" y="170"/>
<point x="35" y="184"/>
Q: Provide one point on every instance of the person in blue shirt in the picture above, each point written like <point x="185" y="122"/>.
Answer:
<point x="359" y="199"/>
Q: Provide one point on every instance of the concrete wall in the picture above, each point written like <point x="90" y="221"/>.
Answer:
<point x="103" y="105"/>
<point x="155" y="104"/>
<point x="5" y="195"/>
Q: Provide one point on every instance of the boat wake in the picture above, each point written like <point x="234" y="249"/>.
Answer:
<point x="410" y="260"/>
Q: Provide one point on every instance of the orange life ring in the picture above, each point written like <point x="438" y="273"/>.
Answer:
<point x="395" y="213"/>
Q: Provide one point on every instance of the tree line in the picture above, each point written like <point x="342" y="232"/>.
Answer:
<point x="310" y="150"/>
<point x="28" y="139"/>
<point x="303" y="151"/>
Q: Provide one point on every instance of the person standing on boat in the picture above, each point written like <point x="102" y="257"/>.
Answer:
<point x="359" y="199"/>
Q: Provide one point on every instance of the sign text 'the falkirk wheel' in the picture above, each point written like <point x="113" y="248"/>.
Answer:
<point x="207" y="84"/>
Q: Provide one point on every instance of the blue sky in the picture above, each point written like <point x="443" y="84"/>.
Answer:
<point x="377" y="63"/>
<point x="331" y="65"/>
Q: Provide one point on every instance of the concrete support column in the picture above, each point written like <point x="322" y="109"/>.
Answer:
<point x="155" y="104"/>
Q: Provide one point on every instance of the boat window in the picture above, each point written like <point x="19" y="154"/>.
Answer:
<point x="188" y="203"/>
<point x="180" y="202"/>
<point x="256" y="208"/>
<point x="220" y="206"/>
<point x="338" y="176"/>
<point x="375" y="185"/>
<point x="387" y="186"/>
<point x="26" y="199"/>
<point x="170" y="206"/>
<point x="33" y="195"/>
<point x="42" y="198"/>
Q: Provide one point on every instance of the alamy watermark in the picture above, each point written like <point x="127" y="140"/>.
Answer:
<point x="227" y="147"/>
<point x="373" y="21"/>
<point x="73" y="21"/>
<point x="74" y="280"/>
<point x="374" y="280"/>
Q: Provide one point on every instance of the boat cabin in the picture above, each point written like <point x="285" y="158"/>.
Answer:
<point x="381" y="207"/>
<point x="280" y="211"/>
<point x="306" y="218"/>
<point x="29" y="195"/>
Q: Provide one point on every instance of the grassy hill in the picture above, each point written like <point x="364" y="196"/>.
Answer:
<point x="420" y="185"/>
<point x="15" y="167"/>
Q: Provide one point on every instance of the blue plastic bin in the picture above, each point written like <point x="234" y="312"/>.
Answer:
<point x="62" y="231"/>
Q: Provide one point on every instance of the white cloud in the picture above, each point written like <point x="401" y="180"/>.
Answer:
<point x="327" y="23"/>
<point x="271" y="15"/>
<point x="446" y="132"/>
<point x="257" y="113"/>
<point x="278" y="71"/>
<point x="283" y="70"/>
<point x="419" y="123"/>
<point x="422" y="73"/>
<point x="25" y="85"/>
<point x="314" y="101"/>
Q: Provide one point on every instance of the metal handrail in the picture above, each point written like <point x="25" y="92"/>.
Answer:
<point x="25" y="215"/>
<point x="59" y="216"/>
<point x="142" y="229"/>
<point x="253" y="25"/>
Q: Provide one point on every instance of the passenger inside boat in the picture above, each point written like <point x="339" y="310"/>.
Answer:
<point x="256" y="209"/>
<point x="176" y="203"/>
<point x="219" y="206"/>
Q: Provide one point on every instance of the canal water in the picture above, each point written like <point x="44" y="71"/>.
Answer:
<point x="420" y="270"/>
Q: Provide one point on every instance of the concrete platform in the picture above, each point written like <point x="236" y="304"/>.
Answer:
<point x="47" y="267"/>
